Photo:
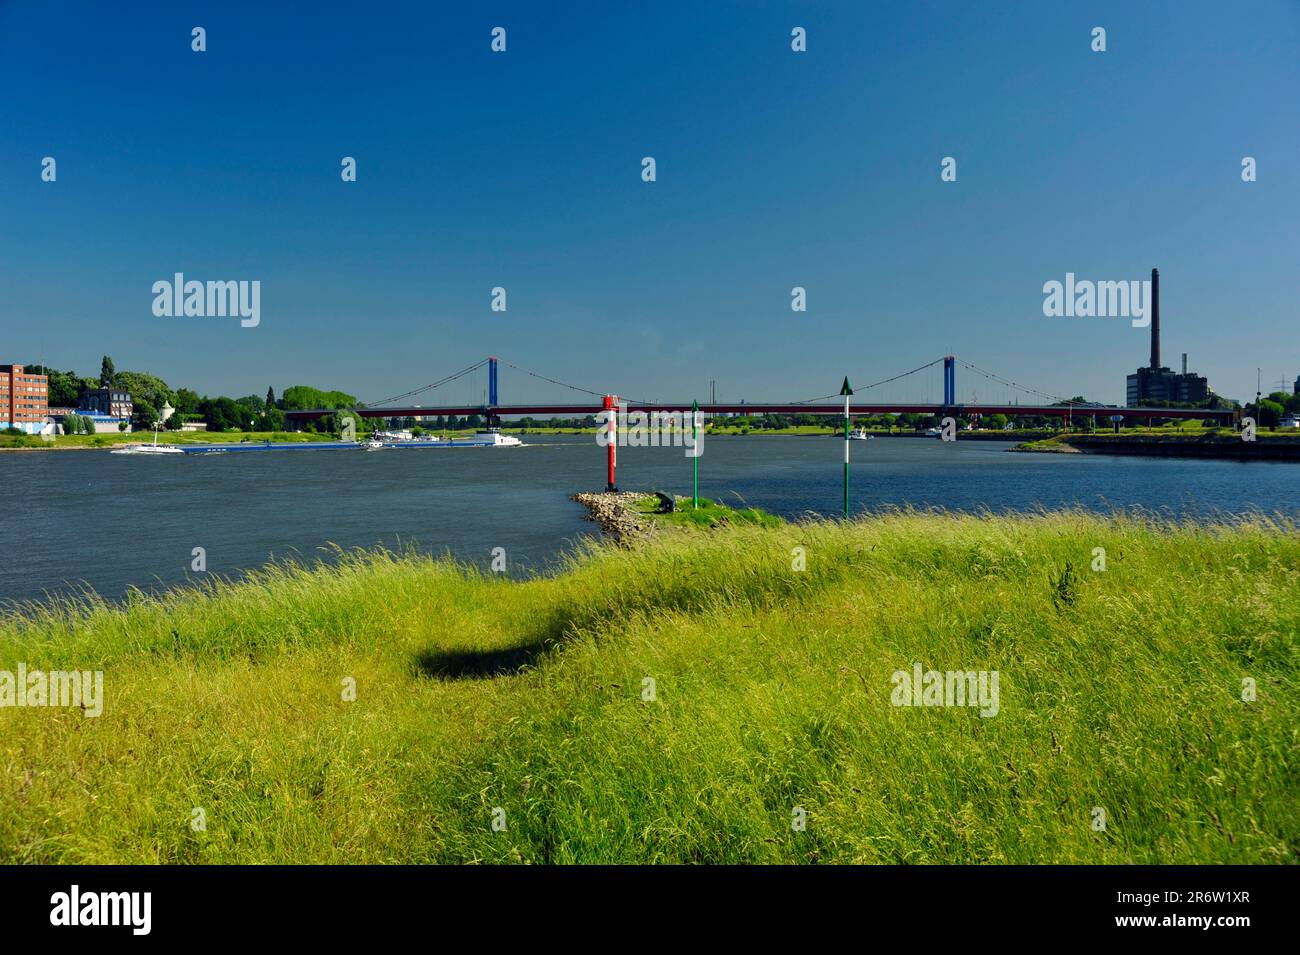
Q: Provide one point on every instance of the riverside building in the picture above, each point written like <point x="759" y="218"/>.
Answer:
<point x="24" y="399"/>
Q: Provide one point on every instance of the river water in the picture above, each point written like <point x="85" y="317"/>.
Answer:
<point x="111" y="522"/>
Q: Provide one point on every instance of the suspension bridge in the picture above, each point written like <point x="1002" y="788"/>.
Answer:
<point x="1037" y="403"/>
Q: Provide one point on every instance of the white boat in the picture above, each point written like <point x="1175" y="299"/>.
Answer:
<point x="154" y="448"/>
<point x="373" y="444"/>
<point x="860" y="434"/>
<point x="491" y="438"/>
<point x="934" y="433"/>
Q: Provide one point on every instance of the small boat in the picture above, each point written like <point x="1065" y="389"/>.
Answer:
<point x="934" y="433"/>
<point x="860" y="434"/>
<point x="154" y="448"/>
<point x="373" y="444"/>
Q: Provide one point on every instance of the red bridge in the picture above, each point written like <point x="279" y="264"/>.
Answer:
<point x="492" y="409"/>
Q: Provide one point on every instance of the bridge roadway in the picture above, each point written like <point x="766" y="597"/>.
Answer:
<point x="514" y="411"/>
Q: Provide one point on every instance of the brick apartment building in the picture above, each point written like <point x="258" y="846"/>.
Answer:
<point x="23" y="399"/>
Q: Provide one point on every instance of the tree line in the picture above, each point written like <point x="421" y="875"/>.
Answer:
<point x="149" y="394"/>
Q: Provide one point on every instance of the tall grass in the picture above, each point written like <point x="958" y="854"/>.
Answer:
<point x="1120" y="689"/>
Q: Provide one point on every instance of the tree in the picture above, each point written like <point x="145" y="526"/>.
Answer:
<point x="143" y="385"/>
<point x="187" y="402"/>
<point x="143" y="415"/>
<point x="270" y="397"/>
<point x="64" y="387"/>
<point x="223" y="414"/>
<point x="1270" y="413"/>
<point x="106" y="373"/>
<point x="304" y="398"/>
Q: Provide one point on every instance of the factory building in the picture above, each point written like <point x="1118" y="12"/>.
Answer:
<point x="1156" y="383"/>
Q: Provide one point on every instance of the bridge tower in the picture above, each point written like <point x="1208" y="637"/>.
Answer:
<point x="950" y="382"/>
<point x="492" y="420"/>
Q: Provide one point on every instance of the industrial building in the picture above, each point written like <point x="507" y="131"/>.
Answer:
<point x="1156" y="383"/>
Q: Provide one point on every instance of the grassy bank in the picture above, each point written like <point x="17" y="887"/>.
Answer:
<point x="1118" y="689"/>
<point x="92" y="442"/>
<point x="1223" y="445"/>
<point x="710" y="514"/>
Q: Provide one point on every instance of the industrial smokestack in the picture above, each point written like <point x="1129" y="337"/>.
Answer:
<point x="1155" y="318"/>
<point x="1184" y="363"/>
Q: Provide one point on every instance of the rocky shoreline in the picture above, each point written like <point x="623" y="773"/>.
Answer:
<point x="615" y="512"/>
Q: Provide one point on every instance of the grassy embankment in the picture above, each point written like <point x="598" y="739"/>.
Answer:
<point x="91" y="442"/>
<point x="710" y="514"/>
<point x="1118" y="689"/>
<point x="1168" y="436"/>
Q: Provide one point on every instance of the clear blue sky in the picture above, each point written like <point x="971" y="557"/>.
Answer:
<point x="775" y="169"/>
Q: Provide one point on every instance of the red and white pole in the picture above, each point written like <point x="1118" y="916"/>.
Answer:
<point x="611" y="432"/>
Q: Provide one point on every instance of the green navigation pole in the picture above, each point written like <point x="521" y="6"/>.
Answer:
<point x="695" y="444"/>
<point x="846" y="391"/>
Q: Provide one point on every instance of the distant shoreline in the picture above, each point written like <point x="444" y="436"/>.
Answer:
<point x="1222" y="447"/>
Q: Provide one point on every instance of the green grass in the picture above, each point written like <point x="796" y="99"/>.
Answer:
<point x="710" y="514"/>
<point x="93" y="441"/>
<point x="99" y="441"/>
<point x="1119" y="689"/>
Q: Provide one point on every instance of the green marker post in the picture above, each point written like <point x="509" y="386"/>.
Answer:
<point x="695" y="443"/>
<point x="846" y="391"/>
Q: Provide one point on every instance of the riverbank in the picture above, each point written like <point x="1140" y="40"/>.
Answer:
<point x="183" y="439"/>
<point x="1216" y="445"/>
<point x="107" y="442"/>
<point x="628" y="516"/>
<point x="685" y="699"/>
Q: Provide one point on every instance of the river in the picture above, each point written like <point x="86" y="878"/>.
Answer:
<point x="110" y="522"/>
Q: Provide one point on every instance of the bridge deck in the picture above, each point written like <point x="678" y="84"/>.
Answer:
<point x="514" y="411"/>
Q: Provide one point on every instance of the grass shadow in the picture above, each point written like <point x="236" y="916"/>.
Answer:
<point x="479" y="664"/>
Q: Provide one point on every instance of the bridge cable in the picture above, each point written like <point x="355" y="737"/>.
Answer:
<point x="450" y="378"/>
<point x="565" y="384"/>
<point x="874" y="384"/>
<point x="1033" y="391"/>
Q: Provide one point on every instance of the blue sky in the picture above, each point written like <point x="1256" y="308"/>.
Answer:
<point x="775" y="169"/>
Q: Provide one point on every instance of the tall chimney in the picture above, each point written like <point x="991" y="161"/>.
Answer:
<point x="1184" y="363"/>
<point x="1155" y="318"/>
